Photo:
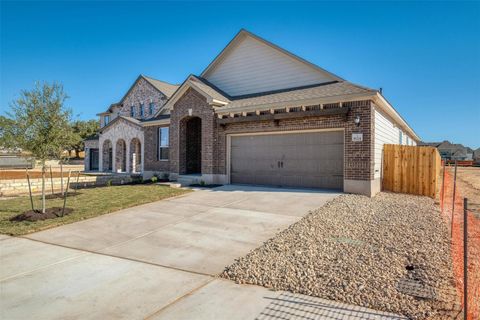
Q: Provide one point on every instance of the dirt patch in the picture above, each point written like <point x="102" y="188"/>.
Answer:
<point x="389" y="253"/>
<point x="36" y="215"/>
<point x="468" y="180"/>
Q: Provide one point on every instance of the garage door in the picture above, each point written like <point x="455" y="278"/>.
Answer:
<point x="309" y="159"/>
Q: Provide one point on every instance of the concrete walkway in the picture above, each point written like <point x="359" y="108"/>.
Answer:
<point x="159" y="261"/>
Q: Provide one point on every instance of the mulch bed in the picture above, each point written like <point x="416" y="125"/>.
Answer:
<point x="36" y="215"/>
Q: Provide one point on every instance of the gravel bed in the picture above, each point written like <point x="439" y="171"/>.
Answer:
<point x="358" y="250"/>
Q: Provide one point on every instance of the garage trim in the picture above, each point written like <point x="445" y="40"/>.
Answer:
<point x="230" y="135"/>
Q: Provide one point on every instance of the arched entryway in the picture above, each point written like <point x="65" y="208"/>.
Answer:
<point x="107" y="157"/>
<point x="135" y="156"/>
<point x="121" y="156"/>
<point x="191" y="145"/>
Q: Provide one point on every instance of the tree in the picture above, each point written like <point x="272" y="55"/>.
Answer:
<point x="81" y="131"/>
<point x="39" y="123"/>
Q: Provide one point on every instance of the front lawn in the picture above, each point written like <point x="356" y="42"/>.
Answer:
<point x="86" y="204"/>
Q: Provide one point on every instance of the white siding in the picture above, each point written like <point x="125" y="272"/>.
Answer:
<point x="385" y="133"/>
<point x="252" y="67"/>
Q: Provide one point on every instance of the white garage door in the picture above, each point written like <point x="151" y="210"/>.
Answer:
<point x="305" y="159"/>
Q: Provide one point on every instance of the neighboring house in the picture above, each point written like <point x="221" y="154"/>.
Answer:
<point x="15" y="159"/>
<point x="256" y="115"/>
<point x="476" y="156"/>
<point x="454" y="151"/>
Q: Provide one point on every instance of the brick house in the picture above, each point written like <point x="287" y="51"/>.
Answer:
<point x="256" y="115"/>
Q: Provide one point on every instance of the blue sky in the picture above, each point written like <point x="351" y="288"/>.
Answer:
<point x="425" y="56"/>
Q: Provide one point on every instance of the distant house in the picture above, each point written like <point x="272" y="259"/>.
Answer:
<point x="476" y="156"/>
<point x="451" y="151"/>
<point x="15" y="159"/>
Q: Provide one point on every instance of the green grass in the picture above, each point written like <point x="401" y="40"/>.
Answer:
<point x="88" y="203"/>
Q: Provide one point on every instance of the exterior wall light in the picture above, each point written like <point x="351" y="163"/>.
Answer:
<point x="357" y="120"/>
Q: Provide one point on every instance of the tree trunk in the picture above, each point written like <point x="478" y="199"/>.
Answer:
<point x="43" y="187"/>
<point x="61" y="178"/>
<point x="77" y="153"/>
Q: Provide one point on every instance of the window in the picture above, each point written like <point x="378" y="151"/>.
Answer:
<point x="162" y="139"/>
<point x="132" y="111"/>
<point x="151" y="106"/>
<point x="106" y="120"/>
<point x="408" y="141"/>
<point x="141" y="110"/>
<point x="400" y="137"/>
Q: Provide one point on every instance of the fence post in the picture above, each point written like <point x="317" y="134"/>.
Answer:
<point x="442" y="194"/>
<point x="453" y="202"/>
<point x="465" y="258"/>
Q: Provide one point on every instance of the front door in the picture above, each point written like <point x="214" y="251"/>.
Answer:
<point x="94" y="159"/>
<point x="194" y="146"/>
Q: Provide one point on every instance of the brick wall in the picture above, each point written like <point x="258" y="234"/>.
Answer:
<point x="359" y="156"/>
<point x="151" y="161"/>
<point x="358" y="164"/>
<point x="179" y="115"/>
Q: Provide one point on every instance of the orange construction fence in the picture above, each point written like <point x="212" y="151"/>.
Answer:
<point x="453" y="212"/>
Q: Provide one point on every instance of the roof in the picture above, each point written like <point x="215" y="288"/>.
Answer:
<point x="210" y="89"/>
<point x="324" y="90"/>
<point x="129" y="119"/>
<point x="159" y="117"/>
<point x="166" y="88"/>
<point x="95" y="136"/>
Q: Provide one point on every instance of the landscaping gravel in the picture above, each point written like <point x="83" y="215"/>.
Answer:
<point x="361" y="250"/>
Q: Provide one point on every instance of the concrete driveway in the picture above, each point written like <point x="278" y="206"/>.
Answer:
<point x="157" y="260"/>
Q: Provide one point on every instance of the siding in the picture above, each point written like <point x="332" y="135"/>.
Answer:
<point x="385" y="133"/>
<point x="252" y="67"/>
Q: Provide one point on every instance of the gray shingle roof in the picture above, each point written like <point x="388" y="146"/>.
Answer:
<point x="167" y="88"/>
<point x="311" y="92"/>
<point x="210" y="89"/>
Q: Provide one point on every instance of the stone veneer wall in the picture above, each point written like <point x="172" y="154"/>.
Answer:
<point x="122" y="130"/>
<point x="20" y="186"/>
<point x="89" y="144"/>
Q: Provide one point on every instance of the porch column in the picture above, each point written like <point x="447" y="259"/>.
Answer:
<point x="142" y="152"/>
<point x="100" y="156"/>
<point x="127" y="155"/>
<point x="114" y="156"/>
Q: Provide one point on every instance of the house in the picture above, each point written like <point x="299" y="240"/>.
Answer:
<point x="257" y="114"/>
<point x="476" y="156"/>
<point x="454" y="151"/>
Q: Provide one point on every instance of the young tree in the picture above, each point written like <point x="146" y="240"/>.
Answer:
<point x="40" y="123"/>
<point x="81" y="131"/>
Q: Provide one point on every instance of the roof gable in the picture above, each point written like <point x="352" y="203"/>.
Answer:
<point x="163" y="87"/>
<point x="250" y="64"/>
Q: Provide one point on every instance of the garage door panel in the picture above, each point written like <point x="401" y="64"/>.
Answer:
<point x="309" y="159"/>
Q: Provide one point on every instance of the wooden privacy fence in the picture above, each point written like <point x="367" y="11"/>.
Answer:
<point x="411" y="169"/>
